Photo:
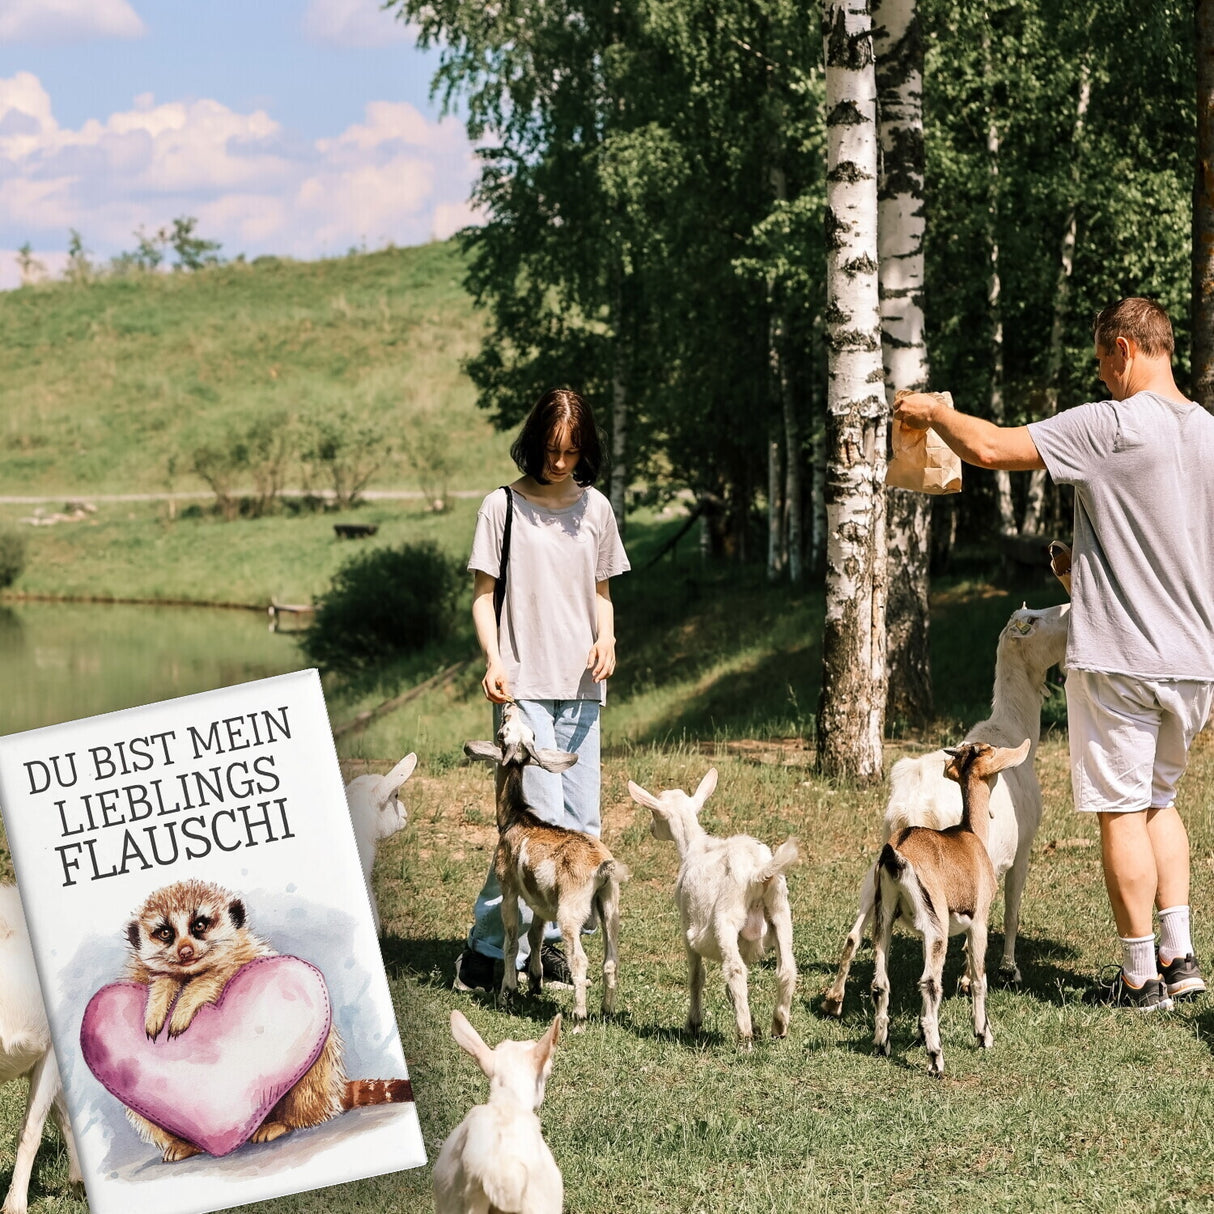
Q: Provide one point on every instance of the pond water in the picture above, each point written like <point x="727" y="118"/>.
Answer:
<point x="62" y="661"/>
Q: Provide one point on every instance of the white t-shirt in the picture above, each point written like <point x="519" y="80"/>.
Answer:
<point x="549" y="616"/>
<point x="1142" y="573"/>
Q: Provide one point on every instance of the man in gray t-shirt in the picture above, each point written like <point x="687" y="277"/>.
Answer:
<point x="1140" y="654"/>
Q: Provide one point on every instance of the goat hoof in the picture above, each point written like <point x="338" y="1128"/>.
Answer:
<point x="881" y="1049"/>
<point x="1009" y="975"/>
<point x="832" y="1006"/>
<point x="936" y="1067"/>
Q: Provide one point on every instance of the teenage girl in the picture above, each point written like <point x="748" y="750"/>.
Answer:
<point x="554" y="646"/>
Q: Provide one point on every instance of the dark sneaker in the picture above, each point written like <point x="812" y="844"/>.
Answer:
<point x="1182" y="977"/>
<point x="1151" y="996"/>
<point x="555" y="967"/>
<point x="475" y="972"/>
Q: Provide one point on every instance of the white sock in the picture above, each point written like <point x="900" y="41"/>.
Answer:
<point x="1174" y="938"/>
<point x="1138" y="958"/>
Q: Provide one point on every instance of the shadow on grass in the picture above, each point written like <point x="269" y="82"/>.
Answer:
<point x="1041" y="978"/>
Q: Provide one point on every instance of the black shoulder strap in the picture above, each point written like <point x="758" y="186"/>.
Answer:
<point x="499" y="589"/>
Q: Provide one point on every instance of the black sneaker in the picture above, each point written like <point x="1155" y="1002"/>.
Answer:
<point x="475" y="972"/>
<point x="1151" y="996"/>
<point x="1182" y="977"/>
<point x="555" y="967"/>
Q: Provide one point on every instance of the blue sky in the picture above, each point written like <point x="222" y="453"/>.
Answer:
<point x="298" y="127"/>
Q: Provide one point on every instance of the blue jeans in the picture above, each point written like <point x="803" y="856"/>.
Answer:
<point x="569" y="798"/>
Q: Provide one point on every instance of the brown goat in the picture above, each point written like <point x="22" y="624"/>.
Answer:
<point x="563" y="875"/>
<point x="940" y="883"/>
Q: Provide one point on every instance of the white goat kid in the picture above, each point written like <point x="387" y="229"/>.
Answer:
<point x="941" y="883"/>
<point x="563" y="875"/>
<point x="1030" y="643"/>
<point x="732" y="899"/>
<point x="496" y="1159"/>
<point x="25" y="1049"/>
<point x="376" y="814"/>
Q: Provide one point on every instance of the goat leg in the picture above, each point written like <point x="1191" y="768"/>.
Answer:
<point x="832" y="1001"/>
<point x="1013" y="888"/>
<point x="535" y="959"/>
<point x="932" y="985"/>
<point x="977" y="958"/>
<point x="44" y="1080"/>
<point x="739" y="994"/>
<point x="883" y="930"/>
<point x="608" y="908"/>
<point x="695" y="988"/>
<point x="786" y="966"/>
<point x="509" y="914"/>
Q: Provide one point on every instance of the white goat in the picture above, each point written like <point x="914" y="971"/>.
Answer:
<point x="732" y="898"/>
<point x="496" y="1160"/>
<point x="940" y="883"/>
<point x="563" y="875"/>
<point x="1030" y="643"/>
<point x="377" y="813"/>
<point x="25" y="1049"/>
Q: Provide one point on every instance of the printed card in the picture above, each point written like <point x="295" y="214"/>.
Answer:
<point x="206" y="950"/>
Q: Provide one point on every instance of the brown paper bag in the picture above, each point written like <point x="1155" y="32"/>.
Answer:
<point x="921" y="459"/>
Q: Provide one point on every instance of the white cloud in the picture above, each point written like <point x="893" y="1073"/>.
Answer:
<point x="395" y="177"/>
<point x="355" y="23"/>
<point x="68" y="20"/>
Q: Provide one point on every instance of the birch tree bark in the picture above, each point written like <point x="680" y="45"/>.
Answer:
<point x="899" y="66"/>
<point x="994" y="292"/>
<point x="1035" y="497"/>
<point x="1203" y="211"/>
<point x="851" y="709"/>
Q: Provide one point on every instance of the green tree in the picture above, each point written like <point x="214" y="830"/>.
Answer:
<point x="191" y="251"/>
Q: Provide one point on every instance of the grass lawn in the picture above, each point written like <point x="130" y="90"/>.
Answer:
<point x="1075" y="1108"/>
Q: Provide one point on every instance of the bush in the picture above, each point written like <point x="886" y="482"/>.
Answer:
<point x="12" y="557"/>
<point x="382" y="604"/>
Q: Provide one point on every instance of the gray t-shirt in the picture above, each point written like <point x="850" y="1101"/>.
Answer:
<point x="549" y="617"/>
<point x="1142" y="577"/>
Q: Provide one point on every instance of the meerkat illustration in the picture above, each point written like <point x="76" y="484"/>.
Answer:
<point x="187" y="941"/>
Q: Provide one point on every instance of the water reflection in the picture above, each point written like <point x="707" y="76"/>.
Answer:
<point x="61" y="661"/>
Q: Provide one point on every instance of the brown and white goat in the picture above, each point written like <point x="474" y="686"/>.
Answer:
<point x="733" y="902"/>
<point x="919" y="795"/>
<point x="940" y="883"/>
<point x="563" y="875"/>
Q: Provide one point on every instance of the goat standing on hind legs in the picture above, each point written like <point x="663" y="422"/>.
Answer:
<point x="562" y="874"/>
<point x="941" y="883"/>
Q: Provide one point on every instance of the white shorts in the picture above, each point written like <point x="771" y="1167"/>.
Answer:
<point x="1130" y="738"/>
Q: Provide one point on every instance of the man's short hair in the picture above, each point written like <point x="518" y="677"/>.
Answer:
<point x="1141" y="320"/>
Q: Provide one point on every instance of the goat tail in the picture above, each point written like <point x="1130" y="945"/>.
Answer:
<point x="361" y="1092"/>
<point x="892" y="862"/>
<point x="614" y="869"/>
<point x="787" y="854"/>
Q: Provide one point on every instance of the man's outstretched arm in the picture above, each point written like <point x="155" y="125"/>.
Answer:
<point x="976" y="440"/>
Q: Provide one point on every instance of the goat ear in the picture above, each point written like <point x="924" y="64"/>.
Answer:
<point x="1013" y="758"/>
<point x="383" y="792"/>
<point x="641" y="797"/>
<point x="551" y="760"/>
<point x="544" y="1048"/>
<point x="705" y="788"/>
<point x="483" y="752"/>
<point x="469" y="1040"/>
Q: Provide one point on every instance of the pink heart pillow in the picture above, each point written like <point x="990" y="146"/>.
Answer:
<point x="214" y="1084"/>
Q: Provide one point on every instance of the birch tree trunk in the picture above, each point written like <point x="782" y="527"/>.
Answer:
<point x="1062" y="291"/>
<point x="851" y="709"/>
<point x="1003" y="482"/>
<point x="1203" y="211"/>
<point x="618" y="477"/>
<point x="899" y="65"/>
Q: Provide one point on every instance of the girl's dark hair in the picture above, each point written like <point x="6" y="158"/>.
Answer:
<point x="555" y="410"/>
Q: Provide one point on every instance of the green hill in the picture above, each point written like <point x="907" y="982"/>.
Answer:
<point x="109" y="387"/>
